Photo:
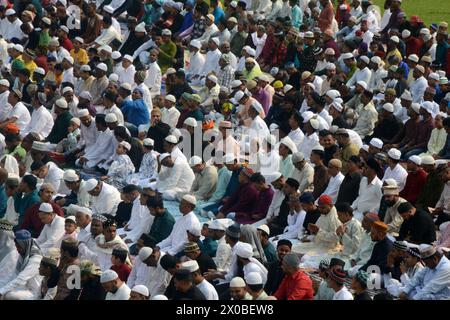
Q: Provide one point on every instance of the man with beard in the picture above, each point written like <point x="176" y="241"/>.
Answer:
<point x="392" y="200"/>
<point x="158" y="130"/>
<point x="116" y="289"/>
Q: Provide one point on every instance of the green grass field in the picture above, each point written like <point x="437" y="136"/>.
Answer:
<point x="428" y="10"/>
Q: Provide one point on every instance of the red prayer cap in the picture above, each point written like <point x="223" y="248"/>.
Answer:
<point x="325" y="200"/>
<point x="372" y="216"/>
<point x="11" y="128"/>
<point x="248" y="171"/>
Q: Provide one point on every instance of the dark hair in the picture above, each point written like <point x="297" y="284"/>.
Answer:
<point x="292" y="182"/>
<point x="168" y="262"/>
<point x="446" y="122"/>
<point x="130" y="188"/>
<point x="120" y="254"/>
<point x="255" y="287"/>
<point x="356" y="160"/>
<point x="100" y="119"/>
<point x="36" y="165"/>
<point x="121" y="132"/>
<point x="30" y="181"/>
<point x="24" y="72"/>
<point x="107" y="20"/>
<point x="110" y="96"/>
<point x="404" y="207"/>
<point x="320" y="153"/>
<point x="54" y="274"/>
<point x="155" y="202"/>
<point x="257" y="178"/>
<point x="344" y="207"/>
<point x="71" y="249"/>
<point x="12" y="138"/>
<point x="284" y="242"/>
<point x="297" y="117"/>
<point x="148" y="242"/>
<point x="324" y="133"/>
<point x="368" y="94"/>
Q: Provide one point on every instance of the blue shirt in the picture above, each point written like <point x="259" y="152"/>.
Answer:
<point x="297" y="16"/>
<point x="3" y="200"/>
<point x="136" y="112"/>
<point x="219" y="15"/>
<point x="188" y="21"/>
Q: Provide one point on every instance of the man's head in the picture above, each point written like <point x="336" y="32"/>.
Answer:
<point x="183" y="280"/>
<point x="378" y="231"/>
<point x="110" y="281"/>
<point x="46" y="213"/>
<point x="284" y="247"/>
<point x="139" y="292"/>
<point x="406" y="210"/>
<point x="290" y="264"/>
<point x="155" y="205"/>
<point x="291" y="186"/>
<point x="187" y="204"/>
<point x="110" y="229"/>
<point x="238" y="288"/>
<point x="325" y="204"/>
<point x="28" y="183"/>
<point x="344" y="212"/>
<point x="46" y="192"/>
<point x="94" y="187"/>
<point x="83" y="216"/>
<point x="430" y="256"/>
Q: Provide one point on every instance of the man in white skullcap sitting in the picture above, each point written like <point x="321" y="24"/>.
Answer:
<point x="175" y="177"/>
<point x="116" y="289"/>
<point x="200" y="282"/>
<point x="238" y="289"/>
<point x="53" y="231"/>
<point x="175" y="242"/>
<point x="105" y="198"/>
<point x="78" y="193"/>
<point x="139" y="292"/>
<point x="255" y="286"/>
<point x="432" y="282"/>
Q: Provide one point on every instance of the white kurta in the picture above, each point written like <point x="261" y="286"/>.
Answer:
<point x="88" y="136"/>
<point x="269" y="162"/>
<point x="6" y="107"/>
<point x="102" y="149"/>
<point x="211" y="61"/>
<point x="55" y="178"/>
<point x="196" y="63"/>
<point x="417" y="89"/>
<point x="177" y="179"/>
<point x="114" y="109"/>
<point x="399" y="174"/>
<point x="208" y="290"/>
<point x="159" y="279"/>
<point x="352" y="237"/>
<point x="107" y="201"/>
<point x="21" y="114"/>
<point x="153" y="79"/>
<point x="369" y="197"/>
<point x="333" y="186"/>
<point x="297" y="137"/>
<point x="123" y="293"/>
<point x="223" y="255"/>
<point x="170" y="116"/>
<point x="343" y="294"/>
<point x="309" y="142"/>
<point x="175" y="242"/>
<point x="26" y="285"/>
<point x="52" y="234"/>
<point x="143" y="224"/>
<point x="126" y="75"/>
